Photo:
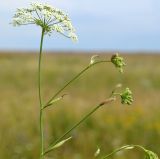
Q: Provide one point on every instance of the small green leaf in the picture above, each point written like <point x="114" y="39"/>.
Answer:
<point x="127" y="147"/>
<point x="59" y="144"/>
<point x="148" y="154"/>
<point x="55" y="100"/>
<point x="94" y="59"/>
<point x="97" y="152"/>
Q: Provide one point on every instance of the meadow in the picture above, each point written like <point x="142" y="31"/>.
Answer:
<point x="112" y="126"/>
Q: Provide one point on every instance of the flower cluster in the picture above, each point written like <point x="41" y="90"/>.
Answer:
<point x="126" y="97"/>
<point x="150" y="155"/>
<point x="118" y="62"/>
<point x="49" y="18"/>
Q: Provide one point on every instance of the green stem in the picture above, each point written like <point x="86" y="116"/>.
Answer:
<point x="40" y="97"/>
<point x="124" y="148"/>
<point x="72" y="80"/>
<point x="78" y="123"/>
<point x="72" y="128"/>
<point x="112" y="153"/>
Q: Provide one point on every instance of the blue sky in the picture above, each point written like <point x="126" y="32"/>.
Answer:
<point x="118" y="25"/>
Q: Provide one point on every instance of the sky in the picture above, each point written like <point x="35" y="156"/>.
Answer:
<point x="113" y="25"/>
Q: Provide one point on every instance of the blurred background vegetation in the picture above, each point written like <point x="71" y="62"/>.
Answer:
<point x="112" y="126"/>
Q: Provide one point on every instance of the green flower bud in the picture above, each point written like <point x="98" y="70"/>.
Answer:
<point x="118" y="62"/>
<point x="126" y="97"/>
<point x="150" y="155"/>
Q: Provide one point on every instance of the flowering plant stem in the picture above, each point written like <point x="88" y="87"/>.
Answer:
<point x="72" y="128"/>
<point x="40" y="97"/>
<point x="148" y="154"/>
<point x="72" y="80"/>
<point x="78" y="123"/>
<point x="42" y="107"/>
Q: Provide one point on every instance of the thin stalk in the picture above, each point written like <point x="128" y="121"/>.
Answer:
<point x="124" y="148"/>
<point x="72" y="128"/>
<point x="72" y="80"/>
<point x="40" y="97"/>
<point x="112" y="153"/>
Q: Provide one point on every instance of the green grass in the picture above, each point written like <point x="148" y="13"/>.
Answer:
<point x="110" y="127"/>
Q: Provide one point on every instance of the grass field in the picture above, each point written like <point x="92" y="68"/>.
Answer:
<point x="111" y="126"/>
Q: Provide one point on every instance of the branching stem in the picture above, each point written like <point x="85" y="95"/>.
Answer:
<point x="72" y="128"/>
<point x="72" y="80"/>
<point x="78" y="123"/>
<point x="124" y="148"/>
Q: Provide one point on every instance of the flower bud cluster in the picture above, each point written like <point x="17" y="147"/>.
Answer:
<point x="126" y="97"/>
<point x="150" y="155"/>
<point x="118" y="62"/>
<point x="48" y="17"/>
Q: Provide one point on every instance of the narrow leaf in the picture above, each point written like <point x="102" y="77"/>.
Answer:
<point x="55" y="100"/>
<point x="97" y="152"/>
<point x="127" y="147"/>
<point x="148" y="154"/>
<point x="94" y="59"/>
<point x="59" y="144"/>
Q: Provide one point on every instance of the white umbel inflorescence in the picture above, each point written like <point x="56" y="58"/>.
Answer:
<point x="48" y="17"/>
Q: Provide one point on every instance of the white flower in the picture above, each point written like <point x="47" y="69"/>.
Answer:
<point x="73" y="36"/>
<point x="47" y="17"/>
<point x="58" y="28"/>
